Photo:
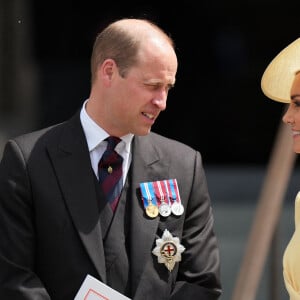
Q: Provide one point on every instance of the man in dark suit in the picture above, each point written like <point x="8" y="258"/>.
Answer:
<point x="56" y="228"/>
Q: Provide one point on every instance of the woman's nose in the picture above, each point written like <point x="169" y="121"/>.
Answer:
<point x="287" y="117"/>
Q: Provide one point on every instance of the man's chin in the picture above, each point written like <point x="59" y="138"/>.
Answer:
<point x="143" y="132"/>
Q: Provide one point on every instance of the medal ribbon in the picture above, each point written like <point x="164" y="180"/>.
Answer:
<point x="159" y="193"/>
<point x="147" y="194"/>
<point x="177" y="190"/>
<point x="163" y="192"/>
<point x="172" y="189"/>
<point x="151" y="191"/>
<point x="166" y="185"/>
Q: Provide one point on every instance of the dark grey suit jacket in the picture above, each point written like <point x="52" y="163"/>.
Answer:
<point x="50" y="227"/>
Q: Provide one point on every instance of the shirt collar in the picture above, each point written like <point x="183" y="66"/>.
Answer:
<point x="95" y="134"/>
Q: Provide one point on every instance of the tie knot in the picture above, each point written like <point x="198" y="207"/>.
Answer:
<point x="112" y="142"/>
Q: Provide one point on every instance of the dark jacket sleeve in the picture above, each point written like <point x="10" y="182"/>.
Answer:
<point x="199" y="270"/>
<point x="17" y="252"/>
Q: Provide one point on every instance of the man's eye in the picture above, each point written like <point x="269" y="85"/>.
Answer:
<point x="153" y="86"/>
<point x="170" y="86"/>
<point x="156" y="87"/>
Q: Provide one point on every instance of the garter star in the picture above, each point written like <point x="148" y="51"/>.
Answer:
<point x="168" y="250"/>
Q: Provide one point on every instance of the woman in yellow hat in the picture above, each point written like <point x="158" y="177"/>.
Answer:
<point x="281" y="82"/>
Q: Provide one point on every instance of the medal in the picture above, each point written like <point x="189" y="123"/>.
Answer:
<point x="176" y="207"/>
<point x="163" y="206"/>
<point x="151" y="209"/>
<point x="161" y="198"/>
<point x="168" y="250"/>
<point x="164" y="210"/>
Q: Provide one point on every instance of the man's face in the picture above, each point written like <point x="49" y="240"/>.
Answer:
<point x="140" y="96"/>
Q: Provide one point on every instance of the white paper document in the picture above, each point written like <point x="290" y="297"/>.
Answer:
<point x="93" y="289"/>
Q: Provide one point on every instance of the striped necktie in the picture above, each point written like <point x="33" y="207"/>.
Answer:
<point x="110" y="172"/>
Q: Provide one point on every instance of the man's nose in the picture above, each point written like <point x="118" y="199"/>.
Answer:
<point x="161" y="103"/>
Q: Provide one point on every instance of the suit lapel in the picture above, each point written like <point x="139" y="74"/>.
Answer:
<point x="73" y="167"/>
<point x="71" y="161"/>
<point x="146" y="166"/>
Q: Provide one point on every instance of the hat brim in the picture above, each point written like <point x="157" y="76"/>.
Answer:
<point x="278" y="77"/>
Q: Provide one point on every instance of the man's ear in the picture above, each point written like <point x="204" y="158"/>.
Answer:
<point x="107" y="70"/>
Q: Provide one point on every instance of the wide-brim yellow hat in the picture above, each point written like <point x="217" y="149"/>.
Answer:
<point x="278" y="77"/>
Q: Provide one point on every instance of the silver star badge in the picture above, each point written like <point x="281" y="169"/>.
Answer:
<point x="168" y="250"/>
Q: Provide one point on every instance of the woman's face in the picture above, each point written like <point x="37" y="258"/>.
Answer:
<point x="292" y="115"/>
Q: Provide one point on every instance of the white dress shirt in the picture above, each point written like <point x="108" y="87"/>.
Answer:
<point x="95" y="137"/>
